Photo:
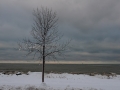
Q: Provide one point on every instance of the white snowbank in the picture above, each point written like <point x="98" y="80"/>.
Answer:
<point x="58" y="82"/>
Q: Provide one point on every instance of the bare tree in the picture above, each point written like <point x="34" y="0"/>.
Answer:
<point x="45" y="37"/>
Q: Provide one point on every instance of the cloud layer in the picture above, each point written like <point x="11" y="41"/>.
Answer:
<point x="93" y="25"/>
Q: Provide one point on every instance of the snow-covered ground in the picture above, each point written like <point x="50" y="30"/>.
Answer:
<point x="58" y="82"/>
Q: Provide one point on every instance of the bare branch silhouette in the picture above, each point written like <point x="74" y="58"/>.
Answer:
<point x="45" y="37"/>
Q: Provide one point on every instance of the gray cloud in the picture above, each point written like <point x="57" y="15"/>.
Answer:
<point x="93" y="25"/>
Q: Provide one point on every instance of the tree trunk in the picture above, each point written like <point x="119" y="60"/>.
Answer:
<point x="43" y="63"/>
<point x="43" y="69"/>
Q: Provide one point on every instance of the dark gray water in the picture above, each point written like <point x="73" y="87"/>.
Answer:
<point x="61" y="68"/>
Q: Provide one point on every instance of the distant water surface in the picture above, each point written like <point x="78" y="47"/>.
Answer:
<point x="63" y="68"/>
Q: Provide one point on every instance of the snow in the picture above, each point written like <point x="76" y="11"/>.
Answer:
<point x="63" y="81"/>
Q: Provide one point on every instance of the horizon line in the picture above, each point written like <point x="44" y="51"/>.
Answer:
<point x="59" y="62"/>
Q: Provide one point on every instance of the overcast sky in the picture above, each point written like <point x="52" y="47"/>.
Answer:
<point x="93" y="25"/>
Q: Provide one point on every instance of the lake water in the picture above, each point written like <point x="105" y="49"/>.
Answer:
<point x="63" y="68"/>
